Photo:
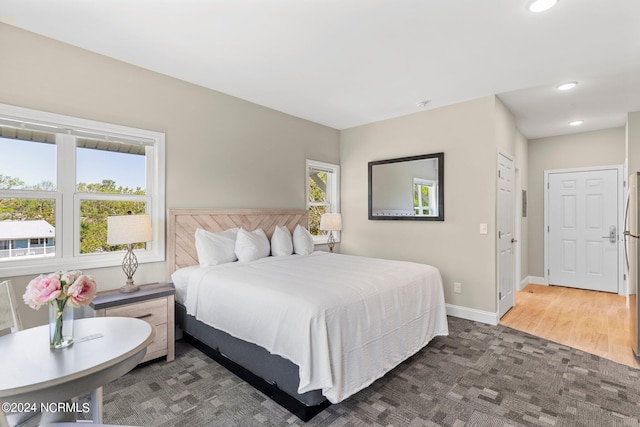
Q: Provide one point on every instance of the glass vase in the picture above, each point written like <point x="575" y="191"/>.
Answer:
<point x="60" y="324"/>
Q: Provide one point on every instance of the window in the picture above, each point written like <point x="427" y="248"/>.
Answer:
<point x="110" y="180"/>
<point x="424" y="197"/>
<point x="323" y="195"/>
<point x="61" y="177"/>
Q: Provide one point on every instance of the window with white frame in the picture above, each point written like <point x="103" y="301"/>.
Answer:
<point x="424" y="197"/>
<point x="61" y="177"/>
<point x="323" y="195"/>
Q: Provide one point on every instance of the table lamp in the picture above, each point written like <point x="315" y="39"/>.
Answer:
<point x="127" y="230"/>
<point x="331" y="222"/>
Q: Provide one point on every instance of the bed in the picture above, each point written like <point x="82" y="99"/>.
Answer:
<point x="307" y="330"/>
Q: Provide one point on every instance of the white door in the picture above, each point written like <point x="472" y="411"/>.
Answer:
<point x="583" y="229"/>
<point x="506" y="234"/>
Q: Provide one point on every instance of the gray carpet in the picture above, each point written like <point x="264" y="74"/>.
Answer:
<point x="479" y="375"/>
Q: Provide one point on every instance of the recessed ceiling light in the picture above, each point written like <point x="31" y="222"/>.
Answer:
<point x="567" y="86"/>
<point x="422" y="104"/>
<point x="576" y="122"/>
<point x="541" y="5"/>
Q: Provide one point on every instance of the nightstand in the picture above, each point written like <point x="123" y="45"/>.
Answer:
<point x="153" y="303"/>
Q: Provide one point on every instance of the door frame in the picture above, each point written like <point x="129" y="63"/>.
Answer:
<point x="516" y="232"/>
<point x="621" y="196"/>
<point x="518" y="229"/>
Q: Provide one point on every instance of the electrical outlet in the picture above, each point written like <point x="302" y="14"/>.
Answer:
<point x="457" y="287"/>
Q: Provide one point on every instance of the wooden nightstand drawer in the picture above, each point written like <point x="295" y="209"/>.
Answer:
<point x="159" y="343"/>
<point x="154" y="311"/>
<point x="154" y="304"/>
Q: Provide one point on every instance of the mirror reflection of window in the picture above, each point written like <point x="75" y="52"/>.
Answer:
<point x="424" y="197"/>
<point x="407" y="188"/>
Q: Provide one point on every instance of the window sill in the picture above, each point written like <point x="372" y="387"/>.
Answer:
<point x="46" y="266"/>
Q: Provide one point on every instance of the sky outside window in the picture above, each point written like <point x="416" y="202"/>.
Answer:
<point x="126" y="170"/>
<point x="35" y="162"/>
<point x="31" y="162"/>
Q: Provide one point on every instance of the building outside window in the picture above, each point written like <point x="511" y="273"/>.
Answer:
<point x="323" y="195"/>
<point x="61" y="177"/>
<point x="26" y="239"/>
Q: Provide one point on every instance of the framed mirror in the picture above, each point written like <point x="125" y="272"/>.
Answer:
<point x="409" y="188"/>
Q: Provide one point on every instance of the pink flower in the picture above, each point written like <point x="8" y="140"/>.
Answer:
<point x="67" y="286"/>
<point x="42" y="290"/>
<point x="68" y="276"/>
<point x="82" y="291"/>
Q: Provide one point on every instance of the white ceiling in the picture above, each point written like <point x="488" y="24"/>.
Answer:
<point x="344" y="63"/>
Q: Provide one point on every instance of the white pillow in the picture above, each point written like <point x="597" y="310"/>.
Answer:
<point x="281" y="243"/>
<point x="216" y="248"/>
<point x="251" y="246"/>
<point x="302" y="241"/>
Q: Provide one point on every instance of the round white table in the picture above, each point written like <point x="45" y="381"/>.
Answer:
<point x="104" y="349"/>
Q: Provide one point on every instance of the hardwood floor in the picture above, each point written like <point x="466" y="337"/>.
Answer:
<point x="595" y="322"/>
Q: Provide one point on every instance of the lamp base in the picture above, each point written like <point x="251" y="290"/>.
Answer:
<point x="129" y="266"/>
<point x="331" y="242"/>
<point x="126" y="289"/>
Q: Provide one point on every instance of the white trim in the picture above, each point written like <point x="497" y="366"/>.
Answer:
<point x="524" y="282"/>
<point x="534" y="280"/>
<point x="518" y="229"/>
<point x="621" y="207"/>
<point x="472" y="314"/>
<point x="66" y="176"/>
<point x="63" y="124"/>
<point x="334" y="203"/>
<point x="622" y="194"/>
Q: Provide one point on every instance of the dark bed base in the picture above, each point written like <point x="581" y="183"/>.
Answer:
<point x="297" y="408"/>
<point x="302" y="410"/>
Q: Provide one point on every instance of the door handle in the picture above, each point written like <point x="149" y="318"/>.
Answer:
<point x="612" y="234"/>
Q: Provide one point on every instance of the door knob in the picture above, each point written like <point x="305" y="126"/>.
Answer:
<point x="513" y="240"/>
<point x="612" y="234"/>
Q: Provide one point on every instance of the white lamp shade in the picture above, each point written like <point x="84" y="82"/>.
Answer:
<point x="128" y="229"/>
<point x="331" y="222"/>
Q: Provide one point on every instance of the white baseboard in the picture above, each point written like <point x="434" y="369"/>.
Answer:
<point x="536" y="280"/>
<point x="524" y="282"/>
<point x="472" y="314"/>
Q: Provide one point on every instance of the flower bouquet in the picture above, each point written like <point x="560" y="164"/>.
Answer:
<point x="62" y="291"/>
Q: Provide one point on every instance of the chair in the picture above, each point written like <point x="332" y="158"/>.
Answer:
<point x="10" y="321"/>
<point x="9" y="318"/>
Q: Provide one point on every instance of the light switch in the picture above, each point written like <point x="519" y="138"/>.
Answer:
<point x="483" y="229"/>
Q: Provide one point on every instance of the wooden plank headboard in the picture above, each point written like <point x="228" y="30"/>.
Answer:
<point x="181" y="251"/>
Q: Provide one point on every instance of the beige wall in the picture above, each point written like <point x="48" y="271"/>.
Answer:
<point x="221" y="151"/>
<point x="598" y="148"/>
<point x="632" y="145"/>
<point x="469" y="134"/>
<point x="225" y="152"/>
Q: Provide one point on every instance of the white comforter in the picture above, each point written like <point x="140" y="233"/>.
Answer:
<point x="344" y="320"/>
